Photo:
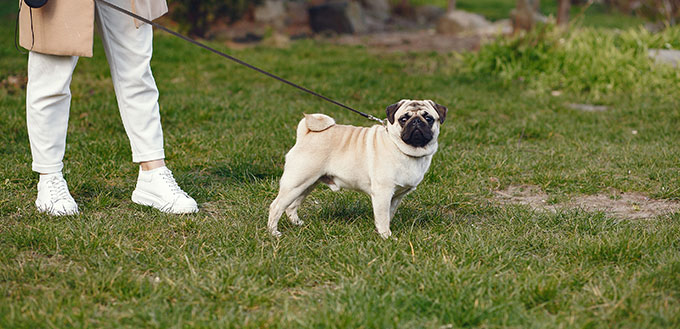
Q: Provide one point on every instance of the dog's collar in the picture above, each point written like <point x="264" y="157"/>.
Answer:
<point x="413" y="152"/>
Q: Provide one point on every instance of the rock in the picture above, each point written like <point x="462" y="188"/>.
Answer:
<point x="271" y="12"/>
<point x="297" y="19"/>
<point x="241" y="31"/>
<point x="523" y="21"/>
<point x="429" y="14"/>
<point x="526" y="15"/>
<point x="588" y="107"/>
<point x="337" y="16"/>
<point x="297" y="13"/>
<point x="374" y="24"/>
<point x="378" y="9"/>
<point x="277" y="40"/>
<point x="665" y="56"/>
<point x="376" y="14"/>
<point x="655" y="27"/>
<point x="503" y="26"/>
<point x="413" y="41"/>
<point x="356" y="18"/>
<point x="458" y="21"/>
<point x="249" y="37"/>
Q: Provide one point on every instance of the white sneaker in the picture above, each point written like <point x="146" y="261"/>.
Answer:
<point x="54" y="197"/>
<point x="157" y="188"/>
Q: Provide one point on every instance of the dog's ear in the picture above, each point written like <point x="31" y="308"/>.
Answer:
<point x="392" y="109"/>
<point x="441" y="110"/>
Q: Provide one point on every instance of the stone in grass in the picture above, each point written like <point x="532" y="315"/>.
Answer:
<point x="271" y="12"/>
<point x="341" y="17"/>
<point x="588" y="107"/>
<point x="665" y="56"/>
<point x="429" y="14"/>
<point x="376" y="14"/>
<point x="378" y="9"/>
<point x="458" y="21"/>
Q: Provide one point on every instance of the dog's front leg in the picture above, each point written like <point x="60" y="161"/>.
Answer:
<point x="275" y="213"/>
<point x="382" y="200"/>
<point x="396" y="200"/>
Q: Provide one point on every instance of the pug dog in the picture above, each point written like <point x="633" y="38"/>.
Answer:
<point x="384" y="161"/>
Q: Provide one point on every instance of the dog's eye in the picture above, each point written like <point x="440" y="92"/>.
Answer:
<point x="403" y="119"/>
<point x="428" y="118"/>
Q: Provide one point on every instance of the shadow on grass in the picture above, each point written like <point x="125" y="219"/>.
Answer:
<point x="342" y="209"/>
<point x="348" y="207"/>
<point x="244" y="172"/>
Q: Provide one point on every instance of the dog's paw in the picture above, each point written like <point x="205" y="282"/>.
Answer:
<point x="298" y="222"/>
<point x="275" y="233"/>
<point x="385" y="234"/>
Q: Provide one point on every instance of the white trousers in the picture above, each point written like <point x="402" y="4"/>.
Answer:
<point x="48" y="96"/>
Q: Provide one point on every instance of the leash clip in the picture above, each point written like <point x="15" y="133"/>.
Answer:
<point x="370" y="117"/>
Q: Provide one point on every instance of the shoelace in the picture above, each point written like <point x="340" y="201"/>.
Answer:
<point x="58" y="189"/>
<point x="170" y="180"/>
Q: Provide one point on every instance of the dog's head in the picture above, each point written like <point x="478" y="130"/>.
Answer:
<point x="416" y="124"/>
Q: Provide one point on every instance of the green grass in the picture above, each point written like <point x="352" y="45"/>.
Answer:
<point x="550" y="59"/>
<point x="460" y="260"/>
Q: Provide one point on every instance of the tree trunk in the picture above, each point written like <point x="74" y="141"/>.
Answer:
<point x="563" y="12"/>
<point x="526" y="15"/>
<point x="452" y="6"/>
<point x="536" y="4"/>
<point x="522" y="15"/>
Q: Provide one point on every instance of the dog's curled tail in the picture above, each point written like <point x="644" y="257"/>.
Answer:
<point x="314" y="122"/>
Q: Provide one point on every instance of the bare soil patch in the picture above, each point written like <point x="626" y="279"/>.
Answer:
<point x="624" y="205"/>
<point x="405" y="41"/>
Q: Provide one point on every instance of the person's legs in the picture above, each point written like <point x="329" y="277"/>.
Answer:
<point x="128" y="51"/>
<point x="48" y="98"/>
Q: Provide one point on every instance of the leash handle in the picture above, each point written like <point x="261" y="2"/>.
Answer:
<point x="255" y="68"/>
<point x="16" y="28"/>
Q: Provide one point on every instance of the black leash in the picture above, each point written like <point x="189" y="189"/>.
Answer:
<point x="16" y="27"/>
<point x="133" y="15"/>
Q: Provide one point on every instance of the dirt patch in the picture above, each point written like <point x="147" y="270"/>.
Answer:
<point x="405" y="41"/>
<point x="13" y="83"/>
<point x="617" y="204"/>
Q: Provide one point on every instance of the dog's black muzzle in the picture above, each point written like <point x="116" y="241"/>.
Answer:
<point x="416" y="132"/>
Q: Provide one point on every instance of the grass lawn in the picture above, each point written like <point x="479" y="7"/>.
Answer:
<point x="460" y="259"/>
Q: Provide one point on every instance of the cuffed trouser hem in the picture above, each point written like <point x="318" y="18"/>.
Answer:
<point x="156" y="155"/>
<point x="47" y="169"/>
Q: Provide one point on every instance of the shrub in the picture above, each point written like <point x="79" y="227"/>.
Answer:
<point x="197" y="16"/>
<point x="667" y="11"/>
<point x="594" y="62"/>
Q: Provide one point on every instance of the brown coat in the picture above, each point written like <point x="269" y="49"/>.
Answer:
<point x="66" y="27"/>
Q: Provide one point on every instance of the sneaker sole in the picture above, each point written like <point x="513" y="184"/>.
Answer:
<point x="50" y="211"/>
<point x="146" y="199"/>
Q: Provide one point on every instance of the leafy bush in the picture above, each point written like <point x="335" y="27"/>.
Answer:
<point x="594" y="62"/>
<point x="197" y="16"/>
<point x="667" y="11"/>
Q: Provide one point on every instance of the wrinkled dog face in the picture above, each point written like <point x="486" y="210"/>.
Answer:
<point x="418" y="121"/>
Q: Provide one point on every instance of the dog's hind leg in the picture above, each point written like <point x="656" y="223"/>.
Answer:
<point x="291" y="211"/>
<point x="289" y="193"/>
